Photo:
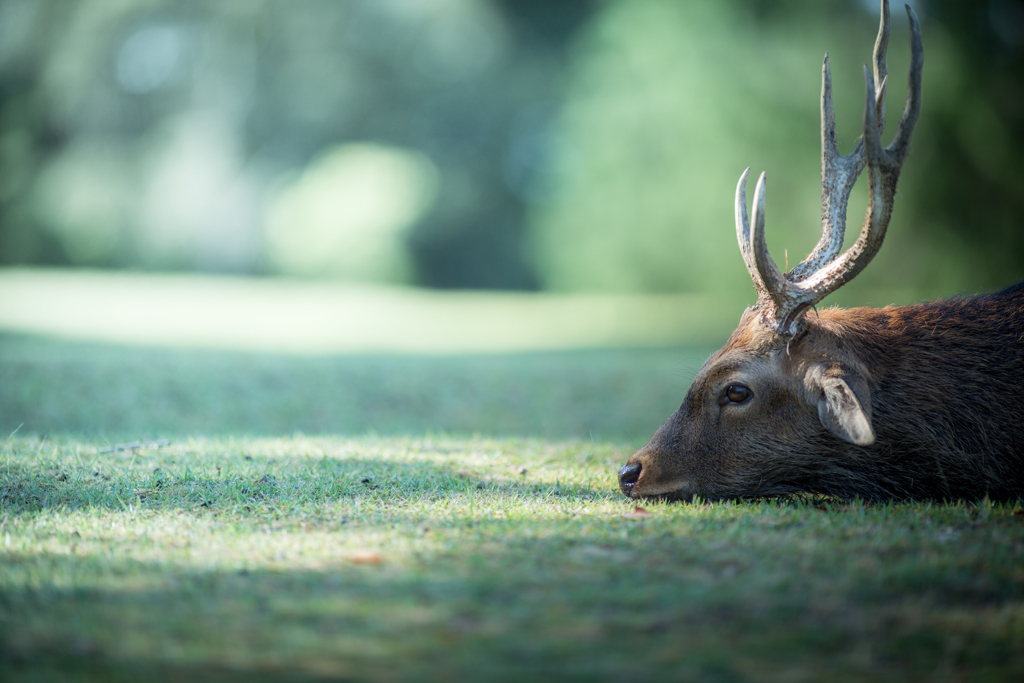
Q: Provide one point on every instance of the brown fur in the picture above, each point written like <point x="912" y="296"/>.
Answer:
<point x="938" y="383"/>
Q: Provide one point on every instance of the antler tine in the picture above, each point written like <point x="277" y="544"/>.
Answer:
<point x="884" y="166"/>
<point x="743" y="234"/>
<point x="878" y="61"/>
<point x="900" y="145"/>
<point x="839" y="173"/>
<point x="782" y="301"/>
<point x="771" y="276"/>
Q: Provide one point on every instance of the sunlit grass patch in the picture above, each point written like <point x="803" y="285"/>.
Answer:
<point x="310" y="317"/>
<point x="319" y="492"/>
<point x="440" y="557"/>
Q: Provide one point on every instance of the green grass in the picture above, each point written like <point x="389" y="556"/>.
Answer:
<point x="310" y="317"/>
<point x="446" y="518"/>
<point x="116" y="393"/>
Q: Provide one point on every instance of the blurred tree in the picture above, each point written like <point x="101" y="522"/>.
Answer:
<point x="158" y="134"/>
<point x="974" y="189"/>
<point x="570" y="144"/>
<point x="27" y="135"/>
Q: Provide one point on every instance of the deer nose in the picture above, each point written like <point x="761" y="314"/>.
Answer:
<point x="628" y="476"/>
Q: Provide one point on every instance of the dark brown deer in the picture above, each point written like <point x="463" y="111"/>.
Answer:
<point x="919" y="402"/>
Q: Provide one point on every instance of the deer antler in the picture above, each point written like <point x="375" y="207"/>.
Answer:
<point x="785" y="298"/>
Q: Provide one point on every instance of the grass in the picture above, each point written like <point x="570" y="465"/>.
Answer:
<point x="445" y="558"/>
<point x="320" y="317"/>
<point x="119" y="394"/>
<point x="436" y="517"/>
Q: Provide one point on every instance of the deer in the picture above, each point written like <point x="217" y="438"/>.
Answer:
<point x="918" y="402"/>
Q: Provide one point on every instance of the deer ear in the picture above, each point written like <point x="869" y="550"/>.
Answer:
<point x="844" y="404"/>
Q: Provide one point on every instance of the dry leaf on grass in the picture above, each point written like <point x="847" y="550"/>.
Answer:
<point x="365" y="557"/>
<point x="637" y="513"/>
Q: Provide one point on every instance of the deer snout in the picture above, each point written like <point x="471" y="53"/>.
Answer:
<point x="645" y="476"/>
<point x="628" y="476"/>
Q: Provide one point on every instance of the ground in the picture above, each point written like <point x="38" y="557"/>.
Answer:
<point x="174" y="513"/>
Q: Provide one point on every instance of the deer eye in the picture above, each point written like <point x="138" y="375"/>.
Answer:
<point x="737" y="393"/>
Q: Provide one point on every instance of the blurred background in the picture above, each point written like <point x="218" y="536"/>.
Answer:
<point x="570" y="146"/>
<point x="261" y="216"/>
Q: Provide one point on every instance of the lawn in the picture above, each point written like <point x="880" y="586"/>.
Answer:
<point x="444" y="516"/>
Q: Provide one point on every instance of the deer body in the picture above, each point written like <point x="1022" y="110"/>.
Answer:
<point x="916" y="401"/>
<point x="939" y="384"/>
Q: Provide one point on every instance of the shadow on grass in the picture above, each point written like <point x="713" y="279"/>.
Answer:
<point x="565" y="606"/>
<point x="347" y="624"/>
<point x="54" y="386"/>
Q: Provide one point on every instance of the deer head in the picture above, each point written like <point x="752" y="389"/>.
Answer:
<point x="760" y="414"/>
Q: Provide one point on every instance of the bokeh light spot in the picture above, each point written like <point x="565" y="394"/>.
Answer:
<point x="347" y="214"/>
<point x="151" y="58"/>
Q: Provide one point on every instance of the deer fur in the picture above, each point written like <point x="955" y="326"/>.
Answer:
<point x="939" y="385"/>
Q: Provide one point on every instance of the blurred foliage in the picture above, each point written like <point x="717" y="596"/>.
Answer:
<point x="209" y="135"/>
<point x="669" y="102"/>
<point x="375" y="192"/>
<point x="493" y="143"/>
